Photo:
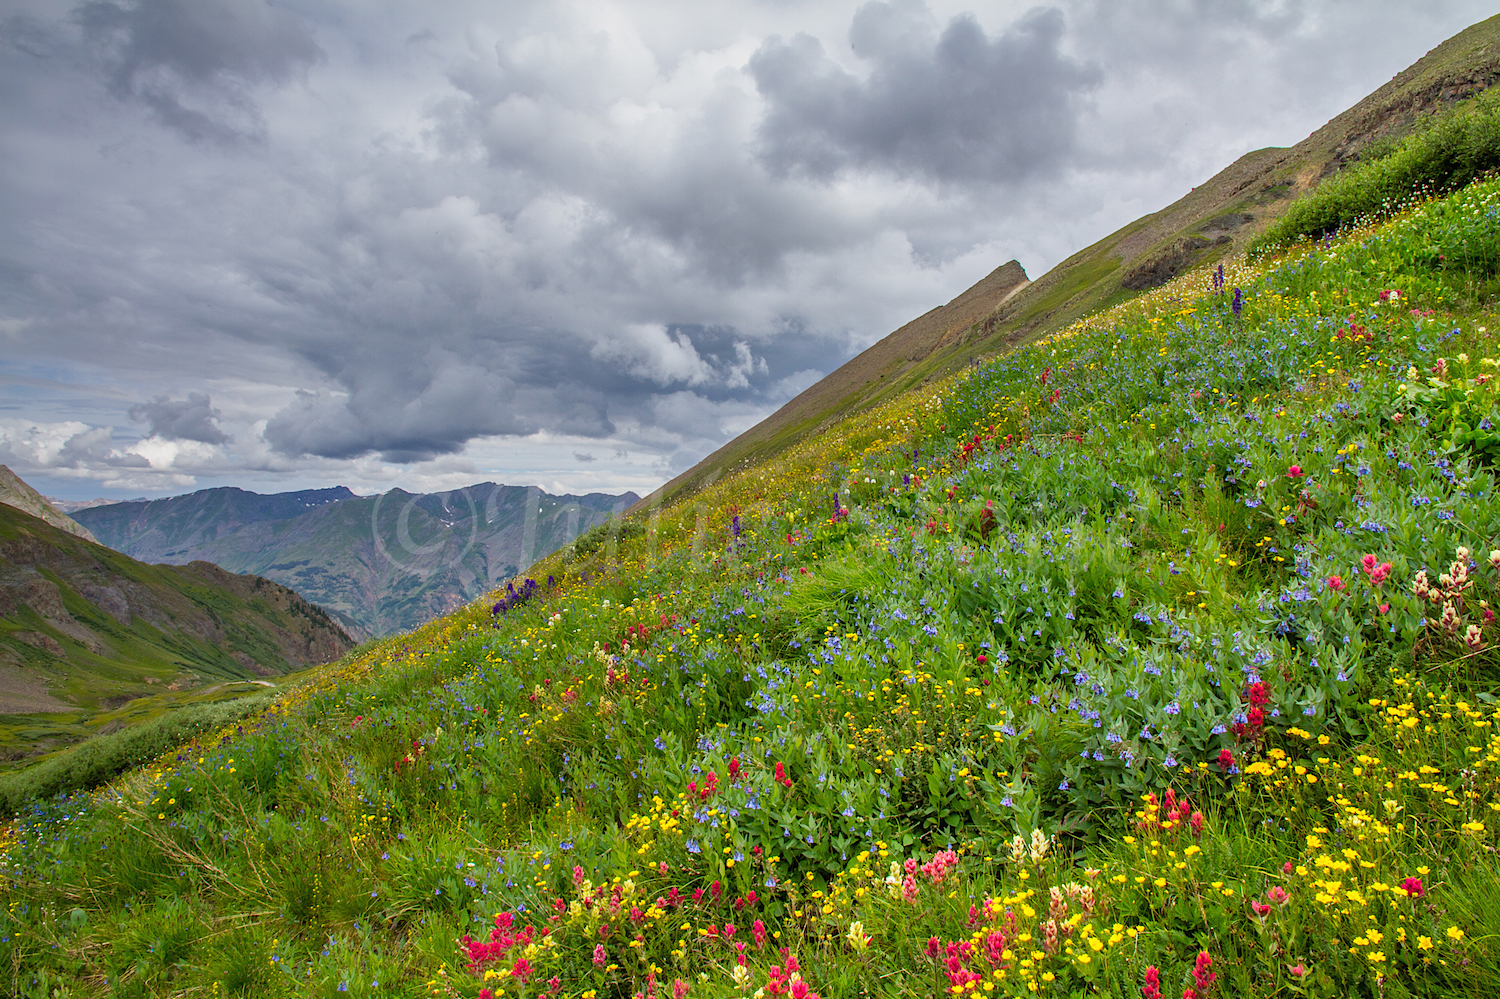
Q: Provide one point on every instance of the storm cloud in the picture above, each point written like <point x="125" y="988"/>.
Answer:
<point x="193" y="62"/>
<point x="190" y="419"/>
<point x="951" y="106"/>
<point x="300" y="244"/>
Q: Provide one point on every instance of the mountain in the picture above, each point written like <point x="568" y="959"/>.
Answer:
<point x="73" y="506"/>
<point x="380" y="564"/>
<point x="1198" y="621"/>
<point x="85" y="631"/>
<point x="1215" y="220"/>
<point x="14" y="492"/>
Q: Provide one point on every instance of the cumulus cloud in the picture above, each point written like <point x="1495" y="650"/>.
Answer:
<point x="955" y="105"/>
<point x="190" y="419"/>
<point x="670" y="357"/>
<point x="66" y="445"/>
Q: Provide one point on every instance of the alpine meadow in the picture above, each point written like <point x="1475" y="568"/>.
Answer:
<point x="1154" y="656"/>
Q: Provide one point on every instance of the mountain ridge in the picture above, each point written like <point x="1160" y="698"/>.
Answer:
<point x="380" y="563"/>
<point x="1211" y="222"/>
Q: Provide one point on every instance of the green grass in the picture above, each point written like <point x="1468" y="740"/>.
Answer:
<point x="105" y="757"/>
<point x="905" y="703"/>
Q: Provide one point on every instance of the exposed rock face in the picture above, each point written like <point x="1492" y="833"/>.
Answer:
<point x="1160" y="269"/>
<point x="46" y="643"/>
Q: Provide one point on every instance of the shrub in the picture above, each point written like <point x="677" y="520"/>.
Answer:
<point x="1460" y="148"/>
<point x="103" y="757"/>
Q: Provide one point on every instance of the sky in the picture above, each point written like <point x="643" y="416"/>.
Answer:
<point x="576" y="244"/>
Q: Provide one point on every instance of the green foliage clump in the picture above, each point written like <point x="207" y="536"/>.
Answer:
<point x="103" y="757"/>
<point x="616" y="529"/>
<point x="1460" y="148"/>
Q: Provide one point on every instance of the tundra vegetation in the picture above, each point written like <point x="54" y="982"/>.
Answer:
<point x="1157" y="658"/>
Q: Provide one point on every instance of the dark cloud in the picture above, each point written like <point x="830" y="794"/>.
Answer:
<point x="190" y="419"/>
<point x="192" y="62"/>
<point x="455" y="406"/>
<point x="956" y="106"/>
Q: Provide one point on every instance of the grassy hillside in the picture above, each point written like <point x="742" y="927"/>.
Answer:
<point x="1158" y="655"/>
<point x="1215" y="221"/>
<point x="92" y="640"/>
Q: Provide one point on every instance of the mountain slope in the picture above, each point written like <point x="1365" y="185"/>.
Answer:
<point x="85" y="631"/>
<point x="1213" y="221"/>
<point x="1137" y="681"/>
<point x="381" y="564"/>
<point x="16" y="493"/>
<point x="1156" y="656"/>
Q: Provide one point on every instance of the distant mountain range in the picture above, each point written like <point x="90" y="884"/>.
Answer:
<point x="86" y="631"/>
<point x="73" y="506"/>
<point x="380" y="564"/>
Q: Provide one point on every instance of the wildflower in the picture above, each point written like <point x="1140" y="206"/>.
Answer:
<point x="1278" y="894"/>
<point x="857" y="938"/>
<point x="600" y="955"/>
<point x="1299" y="969"/>
<point x="1152" y="988"/>
<point x="1203" y="975"/>
<point x="1040" y="842"/>
<point x="1226" y="760"/>
<point x="1413" y="887"/>
<point x="1455" y="934"/>
<point x="1336" y="583"/>
<point x="1295" y="472"/>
